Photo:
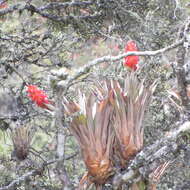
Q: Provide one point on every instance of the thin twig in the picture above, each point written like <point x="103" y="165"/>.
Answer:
<point x="86" y="68"/>
<point x="34" y="172"/>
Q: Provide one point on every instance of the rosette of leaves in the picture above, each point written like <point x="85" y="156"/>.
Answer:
<point x="108" y="125"/>
<point x="21" y="137"/>
<point x="130" y="104"/>
<point x="91" y="126"/>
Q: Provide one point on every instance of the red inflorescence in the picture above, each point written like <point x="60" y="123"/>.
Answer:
<point x="38" y="96"/>
<point x="132" y="60"/>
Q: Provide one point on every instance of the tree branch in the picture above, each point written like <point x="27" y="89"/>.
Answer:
<point x="57" y="18"/>
<point x="86" y="68"/>
<point x="180" y="60"/>
<point x="60" y="5"/>
<point x="34" y="172"/>
<point x="20" y="180"/>
<point x="11" y="9"/>
<point x="164" y="149"/>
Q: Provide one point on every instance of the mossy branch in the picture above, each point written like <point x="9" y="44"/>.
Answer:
<point x="166" y="148"/>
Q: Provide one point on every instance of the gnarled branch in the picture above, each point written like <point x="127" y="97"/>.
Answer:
<point x="164" y="149"/>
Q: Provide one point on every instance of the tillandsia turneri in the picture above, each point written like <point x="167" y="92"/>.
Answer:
<point x="130" y="104"/>
<point x="21" y="137"/>
<point x="110" y="112"/>
<point x="92" y="129"/>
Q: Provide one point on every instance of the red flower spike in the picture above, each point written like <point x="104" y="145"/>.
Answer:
<point x="131" y="60"/>
<point x="38" y="96"/>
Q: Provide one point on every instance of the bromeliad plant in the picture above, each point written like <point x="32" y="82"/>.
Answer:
<point x="21" y="137"/>
<point x="130" y="104"/>
<point x="92" y="127"/>
<point x="108" y="113"/>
